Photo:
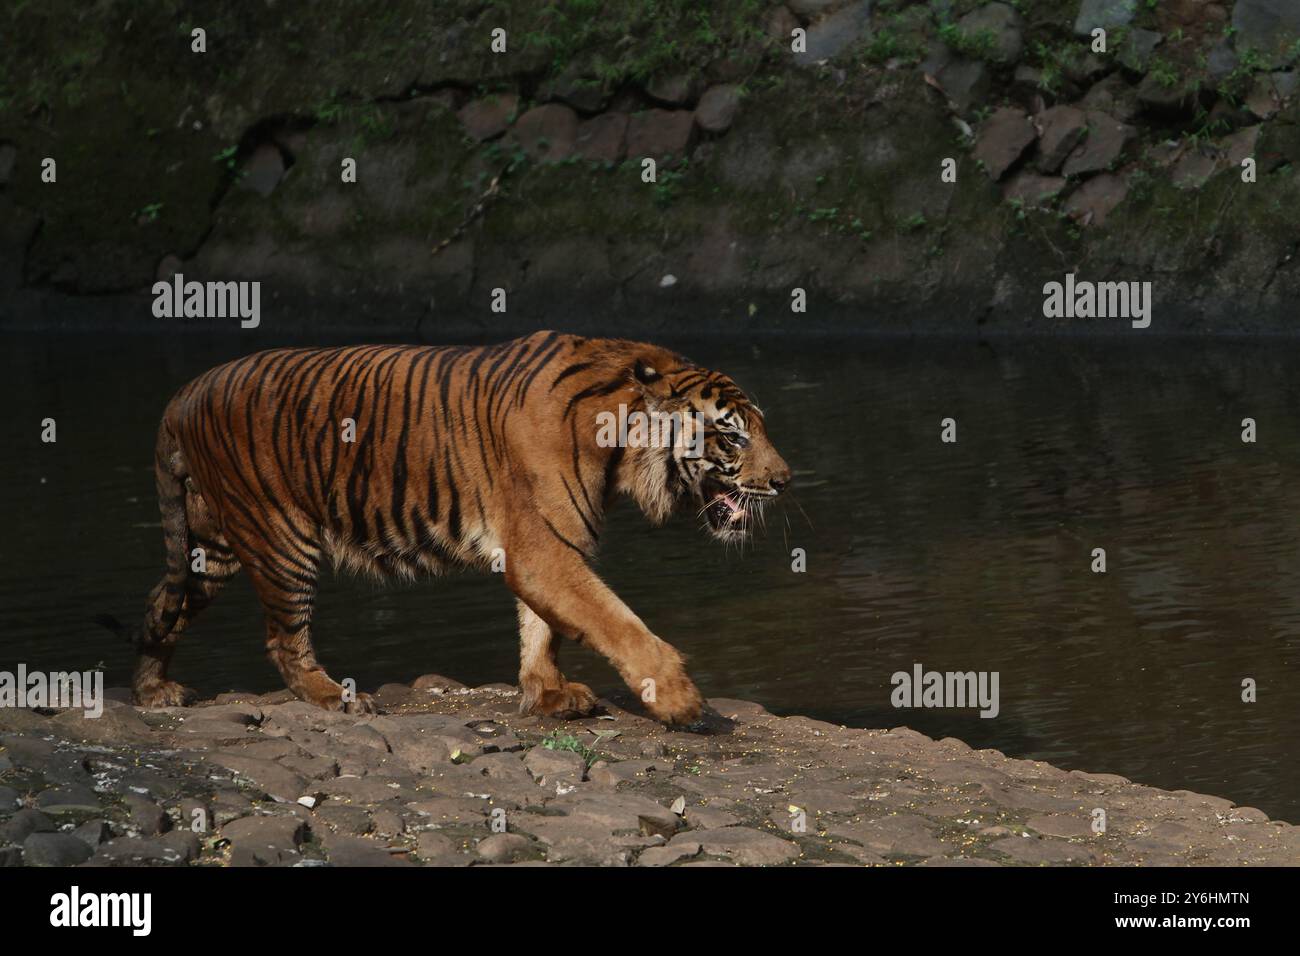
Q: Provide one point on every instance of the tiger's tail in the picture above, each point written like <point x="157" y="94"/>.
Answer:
<point x="168" y="596"/>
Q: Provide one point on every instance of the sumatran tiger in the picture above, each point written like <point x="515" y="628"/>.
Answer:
<point x="400" y="460"/>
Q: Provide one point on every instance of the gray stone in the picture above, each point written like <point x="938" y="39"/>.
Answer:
<point x="1101" y="148"/>
<point x="1107" y="14"/>
<point x="390" y="696"/>
<point x="1061" y="825"/>
<point x="1240" y="145"/>
<point x="902" y="834"/>
<point x="387" y="823"/>
<point x="682" y="849"/>
<point x="676" y="89"/>
<point x="438" y="850"/>
<point x="1002" y="139"/>
<point x="717" y="108"/>
<point x="1158" y="97"/>
<point x="184" y="844"/>
<point x="602" y="138"/>
<point x="1003" y="23"/>
<point x="1138" y="48"/>
<point x="1042" y="851"/>
<point x="1270" y="28"/>
<point x="552" y="767"/>
<point x="23" y="823"/>
<point x="503" y="848"/>
<point x="115" y="726"/>
<point x="125" y="851"/>
<point x="483" y="119"/>
<point x="630" y="812"/>
<point x="709" y="818"/>
<point x="833" y="34"/>
<point x="1093" y="202"/>
<point x="266" y="775"/>
<point x="1221" y="61"/>
<point x="9" y="799"/>
<point x="963" y="80"/>
<point x="358" y="851"/>
<point x="68" y="799"/>
<point x="264" y="840"/>
<point x="146" y="816"/>
<point x="363" y="735"/>
<point x="421" y="744"/>
<point x="11" y="856"/>
<point x="31" y="753"/>
<point x="660" y="133"/>
<point x="428" y="683"/>
<point x="1113" y="97"/>
<point x="1032" y="190"/>
<point x="547" y="133"/>
<point x="581" y="92"/>
<point x="54" y="849"/>
<point x="92" y="833"/>
<point x="612" y="774"/>
<point x="1194" y="169"/>
<point x="264" y="170"/>
<point x="1270" y="92"/>
<point x="1060" y="129"/>
<point x="345" y="818"/>
<point x="780" y="25"/>
<point x="742" y="845"/>
<point x="451" y="811"/>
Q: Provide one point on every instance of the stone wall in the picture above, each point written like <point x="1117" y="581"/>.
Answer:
<point x="795" y="146"/>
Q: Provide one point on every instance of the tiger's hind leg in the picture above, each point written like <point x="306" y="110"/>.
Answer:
<point x="543" y="688"/>
<point x="288" y="596"/>
<point x="206" y="577"/>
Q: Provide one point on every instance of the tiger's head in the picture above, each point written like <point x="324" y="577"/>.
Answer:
<point x="714" y="455"/>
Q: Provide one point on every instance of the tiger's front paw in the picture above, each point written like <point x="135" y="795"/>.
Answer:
<point x="570" y="701"/>
<point x="360" y="704"/>
<point x="327" y="695"/>
<point x="672" y="698"/>
<point x="166" y="693"/>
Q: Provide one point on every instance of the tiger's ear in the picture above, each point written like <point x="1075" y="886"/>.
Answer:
<point x="646" y="373"/>
<point x="651" y="380"/>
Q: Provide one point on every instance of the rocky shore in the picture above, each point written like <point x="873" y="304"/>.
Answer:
<point x="447" y="775"/>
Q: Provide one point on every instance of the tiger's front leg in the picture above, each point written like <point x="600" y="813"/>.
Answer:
<point x="572" y="600"/>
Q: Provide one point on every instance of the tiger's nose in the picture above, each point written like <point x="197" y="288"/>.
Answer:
<point x="779" y="482"/>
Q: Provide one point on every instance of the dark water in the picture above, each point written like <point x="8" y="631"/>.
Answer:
<point x="966" y="556"/>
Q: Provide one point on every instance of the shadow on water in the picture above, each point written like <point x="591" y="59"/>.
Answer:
<point x="966" y="556"/>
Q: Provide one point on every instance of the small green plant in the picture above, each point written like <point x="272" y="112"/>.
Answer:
<point x="669" y="183"/>
<point x="913" y="222"/>
<point x="227" y="157"/>
<point x="1164" y="73"/>
<point x="981" y="45"/>
<point x="148" y="213"/>
<point x="885" y="45"/>
<point x="567" y="742"/>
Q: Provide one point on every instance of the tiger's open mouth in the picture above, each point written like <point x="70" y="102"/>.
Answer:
<point x="726" y="511"/>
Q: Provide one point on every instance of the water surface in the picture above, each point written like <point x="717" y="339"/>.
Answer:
<point x="967" y="556"/>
